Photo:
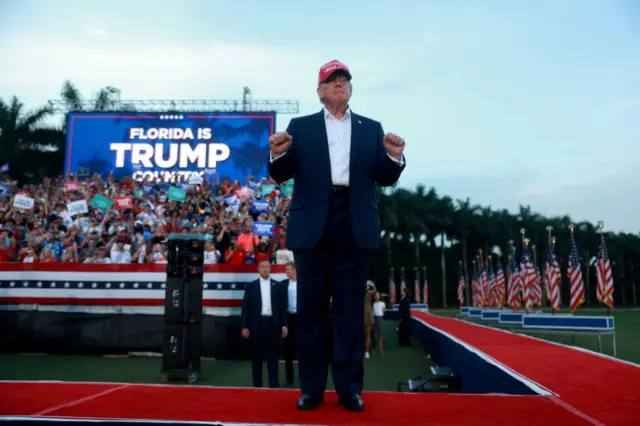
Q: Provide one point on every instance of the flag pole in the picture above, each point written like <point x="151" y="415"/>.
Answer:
<point x="601" y="225"/>
<point x="549" y="256"/>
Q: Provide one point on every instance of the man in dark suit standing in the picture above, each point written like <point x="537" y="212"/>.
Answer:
<point x="290" y="286"/>
<point x="264" y="320"/>
<point x="337" y="158"/>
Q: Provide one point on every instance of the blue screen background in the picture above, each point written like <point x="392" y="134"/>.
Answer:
<point x="90" y="134"/>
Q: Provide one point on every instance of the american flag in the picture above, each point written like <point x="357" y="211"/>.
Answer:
<point x="403" y="283"/>
<point x="528" y="273"/>
<point x="392" y="288"/>
<point x="416" y="285"/>
<point x="604" y="275"/>
<point x="484" y="281"/>
<point x="460" y="286"/>
<point x="492" y="298"/>
<point x="425" y="287"/>
<point x="553" y="278"/>
<point x="475" y="287"/>
<point x="574" y="272"/>
<point x="536" y="287"/>
<point x="515" y="286"/>
<point x="500" y="282"/>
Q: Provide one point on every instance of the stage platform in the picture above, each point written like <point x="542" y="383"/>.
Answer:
<point x="564" y="386"/>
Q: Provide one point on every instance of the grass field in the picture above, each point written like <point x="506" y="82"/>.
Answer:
<point x="627" y="323"/>
<point x="382" y="371"/>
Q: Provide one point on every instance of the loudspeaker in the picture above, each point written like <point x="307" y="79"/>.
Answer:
<point x="183" y="300"/>
<point x="181" y="348"/>
<point x="183" y="306"/>
<point x="186" y="255"/>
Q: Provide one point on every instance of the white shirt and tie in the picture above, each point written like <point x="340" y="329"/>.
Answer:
<point x="339" y="138"/>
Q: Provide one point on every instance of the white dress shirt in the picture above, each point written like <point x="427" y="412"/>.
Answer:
<point x="292" y="292"/>
<point x="339" y="139"/>
<point x="265" y="292"/>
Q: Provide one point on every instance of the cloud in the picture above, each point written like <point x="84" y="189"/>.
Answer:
<point x="623" y="106"/>
<point x="534" y="191"/>
<point x="616" y="201"/>
<point x="94" y="31"/>
<point x="168" y="70"/>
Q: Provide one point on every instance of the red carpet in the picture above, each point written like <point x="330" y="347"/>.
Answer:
<point x="194" y="403"/>
<point x="592" y="390"/>
<point x="601" y="388"/>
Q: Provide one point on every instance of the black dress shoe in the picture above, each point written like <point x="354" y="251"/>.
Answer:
<point x="351" y="402"/>
<point x="309" y="402"/>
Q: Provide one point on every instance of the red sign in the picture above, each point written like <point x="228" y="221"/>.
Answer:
<point x="71" y="186"/>
<point x="244" y="192"/>
<point x="124" y="202"/>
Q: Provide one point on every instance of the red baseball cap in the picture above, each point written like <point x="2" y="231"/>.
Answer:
<point x="331" y="67"/>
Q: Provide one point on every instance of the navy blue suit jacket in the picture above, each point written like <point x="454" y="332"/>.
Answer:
<point x="251" y="312"/>
<point x="307" y="161"/>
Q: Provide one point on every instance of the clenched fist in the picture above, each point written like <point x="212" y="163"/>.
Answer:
<point x="279" y="143"/>
<point x="394" y="145"/>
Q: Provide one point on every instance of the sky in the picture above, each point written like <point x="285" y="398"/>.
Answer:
<point x="506" y="102"/>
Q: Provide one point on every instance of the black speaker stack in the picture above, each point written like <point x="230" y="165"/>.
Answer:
<point x="182" y="342"/>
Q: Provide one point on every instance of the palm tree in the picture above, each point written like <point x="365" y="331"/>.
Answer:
<point x="30" y="147"/>
<point x="412" y="220"/>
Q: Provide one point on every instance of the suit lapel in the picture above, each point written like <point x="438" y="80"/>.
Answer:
<point x="356" y="137"/>
<point x="323" y="141"/>
<point x="273" y="295"/>
<point x="259" y="296"/>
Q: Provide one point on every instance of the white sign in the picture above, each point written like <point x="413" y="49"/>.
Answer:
<point x="23" y="202"/>
<point x="77" y="207"/>
<point x="195" y="180"/>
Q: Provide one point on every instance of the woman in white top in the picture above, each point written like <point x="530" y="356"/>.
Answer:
<point x="378" y="314"/>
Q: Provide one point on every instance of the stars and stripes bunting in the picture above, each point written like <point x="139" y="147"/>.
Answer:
<point x="118" y="285"/>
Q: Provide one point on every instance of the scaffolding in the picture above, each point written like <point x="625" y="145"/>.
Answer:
<point x="246" y="104"/>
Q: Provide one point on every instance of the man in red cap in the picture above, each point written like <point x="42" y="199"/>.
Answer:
<point x="337" y="158"/>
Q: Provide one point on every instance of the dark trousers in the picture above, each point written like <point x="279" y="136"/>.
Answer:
<point x="264" y="346"/>
<point x="335" y="267"/>
<point x="404" y="332"/>
<point x="290" y="347"/>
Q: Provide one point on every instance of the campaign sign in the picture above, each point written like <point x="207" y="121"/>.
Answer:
<point x="263" y="229"/>
<point x="260" y="206"/>
<point x="169" y="147"/>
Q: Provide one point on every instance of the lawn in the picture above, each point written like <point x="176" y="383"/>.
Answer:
<point x="382" y="371"/>
<point x="627" y="323"/>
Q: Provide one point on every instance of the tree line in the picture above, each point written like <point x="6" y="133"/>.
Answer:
<point x="420" y="228"/>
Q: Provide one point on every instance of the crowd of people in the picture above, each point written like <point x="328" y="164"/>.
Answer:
<point x="107" y="220"/>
